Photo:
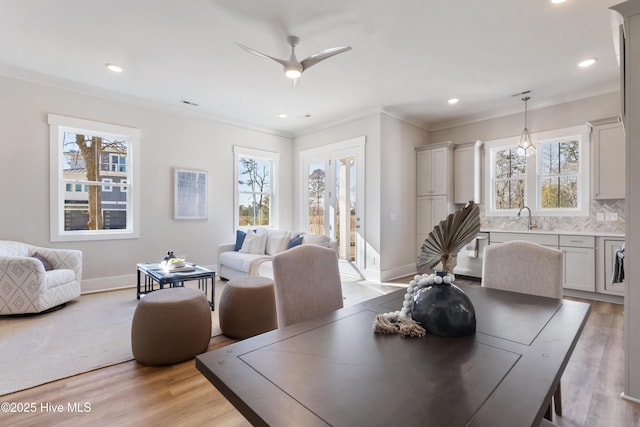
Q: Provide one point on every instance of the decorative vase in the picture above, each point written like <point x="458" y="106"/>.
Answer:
<point x="444" y="310"/>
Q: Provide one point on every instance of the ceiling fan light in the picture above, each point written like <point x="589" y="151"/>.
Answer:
<point x="292" y="73"/>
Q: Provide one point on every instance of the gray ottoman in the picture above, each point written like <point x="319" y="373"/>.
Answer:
<point x="170" y="326"/>
<point x="247" y="307"/>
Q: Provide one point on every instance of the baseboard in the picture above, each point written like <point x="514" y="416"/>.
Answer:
<point x="397" y="272"/>
<point x="113" y="283"/>
<point x="595" y="296"/>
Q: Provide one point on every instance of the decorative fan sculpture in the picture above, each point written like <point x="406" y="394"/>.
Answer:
<point x="433" y="303"/>
<point x="447" y="238"/>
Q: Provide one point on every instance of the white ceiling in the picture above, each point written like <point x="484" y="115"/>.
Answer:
<point x="408" y="56"/>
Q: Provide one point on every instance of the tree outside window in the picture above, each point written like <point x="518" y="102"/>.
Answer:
<point x="559" y="173"/>
<point x="254" y="191"/>
<point x="317" y="183"/>
<point x="510" y="173"/>
<point x="95" y="160"/>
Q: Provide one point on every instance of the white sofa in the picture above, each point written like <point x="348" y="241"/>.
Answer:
<point x="33" y="285"/>
<point x="236" y="260"/>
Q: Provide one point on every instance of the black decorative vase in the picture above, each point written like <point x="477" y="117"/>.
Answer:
<point x="444" y="310"/>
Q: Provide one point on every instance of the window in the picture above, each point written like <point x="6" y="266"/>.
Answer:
<point x="255" y="187"/>
<point x="107" y="188"/>
<point x="559" y="165"/>
<point x="552" y="181"/>
<point x="92" y="180"/>
<point x="509" y="175"/>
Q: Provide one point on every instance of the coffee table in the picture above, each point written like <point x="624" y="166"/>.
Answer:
<point x="154" y="272"/>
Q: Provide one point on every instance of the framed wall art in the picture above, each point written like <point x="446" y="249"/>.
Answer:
<point x="190" y="190"/>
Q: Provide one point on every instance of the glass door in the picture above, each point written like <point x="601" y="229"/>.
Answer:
<point x="334" y="199"/>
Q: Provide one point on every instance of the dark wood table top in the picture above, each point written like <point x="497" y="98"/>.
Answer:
<point x="333" y="370"/>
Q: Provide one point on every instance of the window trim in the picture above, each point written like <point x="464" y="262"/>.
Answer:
<point x="274" y="157"/>
<point x="57" y="126"/>
<point x="532" y="197"/>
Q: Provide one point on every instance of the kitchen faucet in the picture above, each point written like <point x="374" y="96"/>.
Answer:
<point x="529" y="210"/>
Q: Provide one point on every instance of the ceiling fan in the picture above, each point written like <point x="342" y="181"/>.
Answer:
<point x="294" y="68"/>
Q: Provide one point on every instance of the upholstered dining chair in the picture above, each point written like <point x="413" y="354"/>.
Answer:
<point x="306" y="282"/>
<point x="527" y="268"/>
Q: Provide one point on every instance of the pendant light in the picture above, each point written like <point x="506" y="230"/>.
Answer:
<point x="525" y="140"/>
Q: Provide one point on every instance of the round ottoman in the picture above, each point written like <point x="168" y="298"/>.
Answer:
<point x="247" y="307"/>
<point x="170" y="326"/>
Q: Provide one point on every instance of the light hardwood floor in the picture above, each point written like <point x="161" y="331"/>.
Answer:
<point x="130" y="394"/>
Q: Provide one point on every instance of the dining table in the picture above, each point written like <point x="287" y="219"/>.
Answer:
<point x="334" y="370"/>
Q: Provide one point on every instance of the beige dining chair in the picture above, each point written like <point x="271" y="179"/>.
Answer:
<point x="307" y="283"/>
<point x="527" y="268"/>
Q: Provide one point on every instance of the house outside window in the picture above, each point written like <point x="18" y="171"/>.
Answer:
<point x="255" y="172"/>
<point x="552" y="181"/>
<point x="99" y="162"/>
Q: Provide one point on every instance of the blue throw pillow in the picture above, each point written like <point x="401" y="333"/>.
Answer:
<point x="294" y="242"/>
<point x="240" y="235"/>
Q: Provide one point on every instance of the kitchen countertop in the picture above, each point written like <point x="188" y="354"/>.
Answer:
<point x="563" y="232"/>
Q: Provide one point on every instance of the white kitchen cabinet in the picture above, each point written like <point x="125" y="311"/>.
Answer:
<point x="431" y="210"/>
<point x="579" y="264"/>
<point x="579" y="268"/>
<point x="434" y="183"/>
<point x="434" y="169"/>
<point x="467" y="173"/>
<point x="550" y="240"/>
<point x="608" y="145"/>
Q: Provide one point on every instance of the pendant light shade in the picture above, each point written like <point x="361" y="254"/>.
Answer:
<point x="525" y="139"/>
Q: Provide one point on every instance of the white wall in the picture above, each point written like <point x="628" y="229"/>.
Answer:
<point x="398" y="193"/>
<point x="554" y="117"/>
<point x="168" y="140"/>
<point x="369" y="127"/>
<point x="390" y="189"/>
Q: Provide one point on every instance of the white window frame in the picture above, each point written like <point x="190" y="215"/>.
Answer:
<point x="107" y="188"/>
<point x="274" y="158"/>
<point x="492" y="147"/>
<point x="532" y="183"/>
<point x="58" y="125"/>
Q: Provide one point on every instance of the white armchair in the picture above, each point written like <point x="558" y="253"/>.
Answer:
<point x="26" y="286"/>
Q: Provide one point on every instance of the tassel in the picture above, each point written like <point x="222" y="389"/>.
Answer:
<point x="411" y="328"/>
<point x="393" y="323"/>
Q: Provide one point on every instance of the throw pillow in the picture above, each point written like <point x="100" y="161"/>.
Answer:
<point x="277" y="242"/>
<point x="47" y="265"/>
<point x="315" y="239"/>
<point x="296" y="241"/>
<point x="240" y="235"/>
<point x="254" y="243"/>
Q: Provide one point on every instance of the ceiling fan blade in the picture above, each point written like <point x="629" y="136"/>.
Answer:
<point x="322" y="55"/>
<point x="282" y="62"/>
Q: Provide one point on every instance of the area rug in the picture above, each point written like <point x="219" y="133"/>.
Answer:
<point x="91" y="332"/>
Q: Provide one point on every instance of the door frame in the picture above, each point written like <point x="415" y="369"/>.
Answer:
<point x="352" y="147"/>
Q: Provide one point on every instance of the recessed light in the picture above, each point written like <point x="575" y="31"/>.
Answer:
<point x="587" y="62"/>
<point x="453" y="101"/>
<point x="282" y="115"/>
<point x="115" y="68"/>
<point x="557" y="1"/>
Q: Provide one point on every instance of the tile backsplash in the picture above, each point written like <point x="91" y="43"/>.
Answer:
<point x="566" y="223"/>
